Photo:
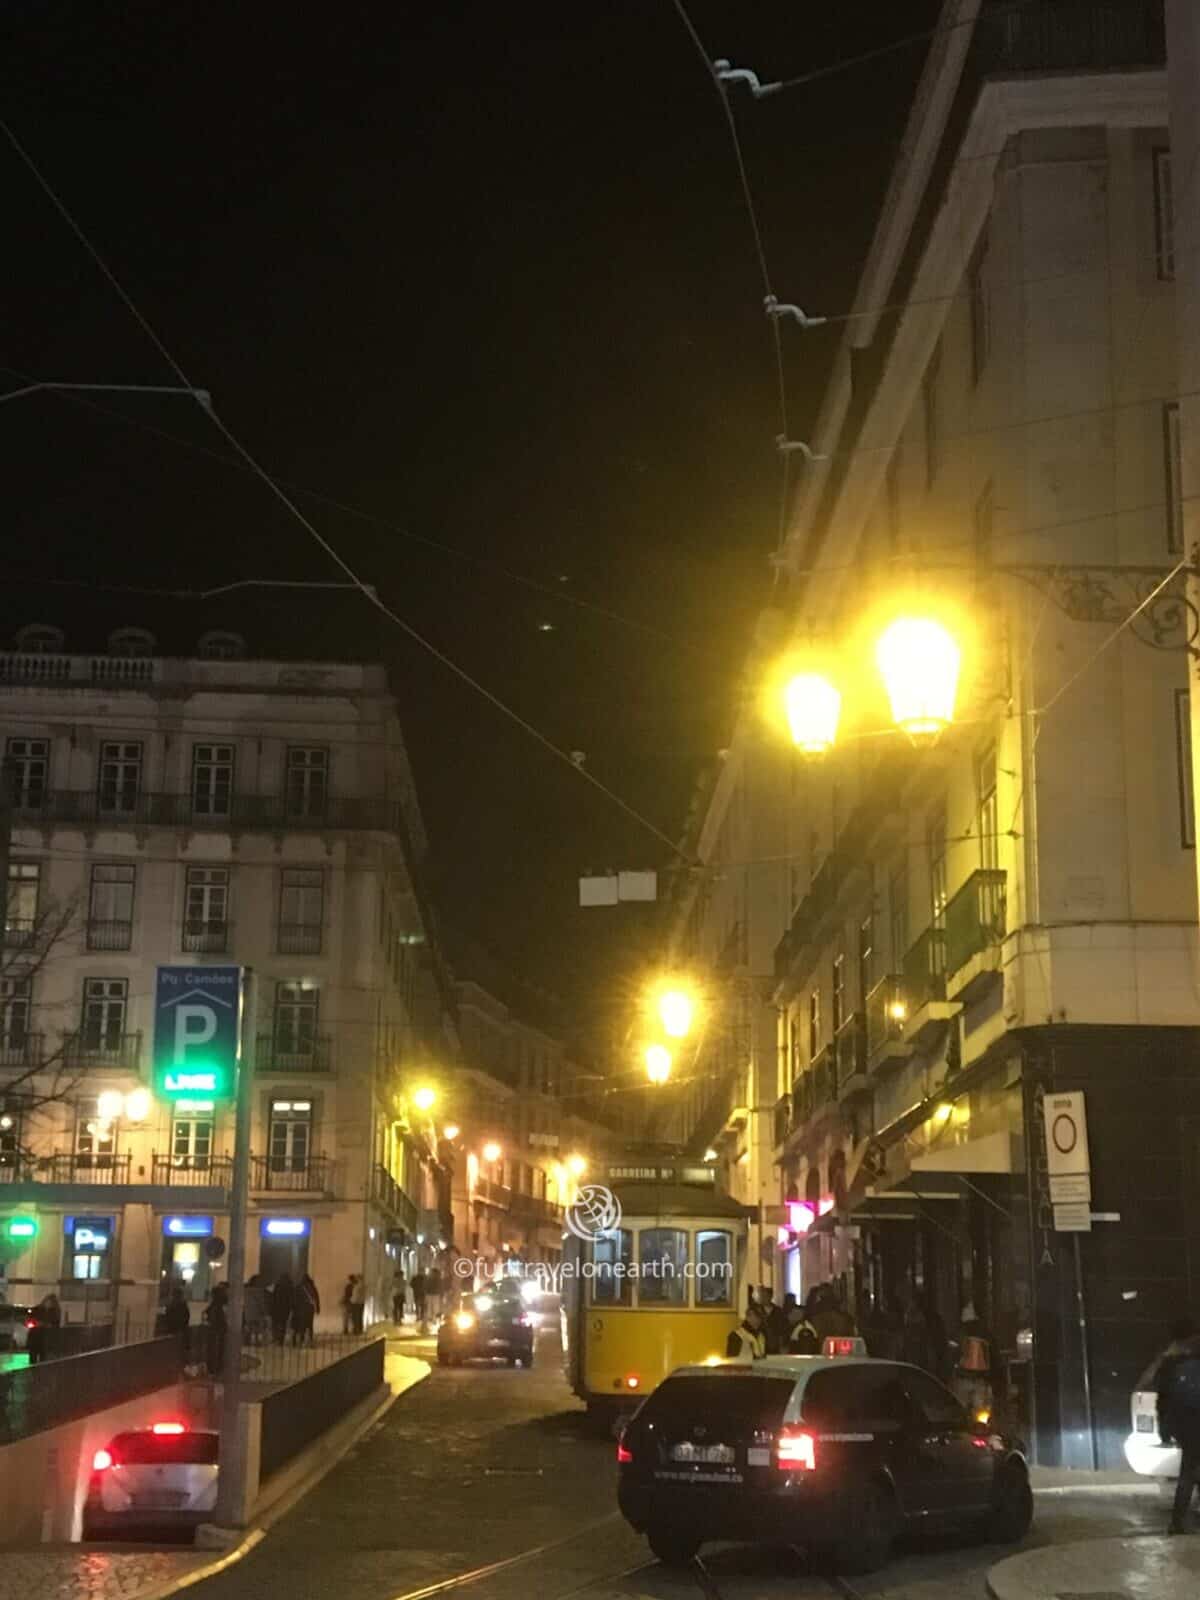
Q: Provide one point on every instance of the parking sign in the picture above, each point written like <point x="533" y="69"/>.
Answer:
<point x="197" y="1014"/>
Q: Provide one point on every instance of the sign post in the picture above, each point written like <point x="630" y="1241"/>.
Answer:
<point x="231" y="1480"/>
<point x="1069" y="1168"/>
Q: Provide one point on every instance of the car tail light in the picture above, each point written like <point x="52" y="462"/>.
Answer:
<point x="797" y="1451"/>
<point x="632" y="1381"/>
<point x="168" y="1427"/>
<point x="102" y="1460"/>
<point x="30" y="1323"/>
<point x="624" y="1453"/>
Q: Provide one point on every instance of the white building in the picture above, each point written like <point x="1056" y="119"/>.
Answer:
<point x="219" y="810"/>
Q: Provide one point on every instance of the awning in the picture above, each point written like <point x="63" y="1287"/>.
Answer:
<point x="993" y="1153"/>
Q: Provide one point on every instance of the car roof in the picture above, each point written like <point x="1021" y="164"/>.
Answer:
<point x="798" y="1368"/>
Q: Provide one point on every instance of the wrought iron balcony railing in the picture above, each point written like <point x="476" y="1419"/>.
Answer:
<point x="292" y="1052"/>
<point x="210" y="938"/>
<point x="135" y="806"/>
<point x="975" y="918"/>
<point x="20" y="1050"/>
<point x="118" y="1052"/>
<point x="193" y="1172"/>
<point x="107" y="934"/>
<point x="290" y="1174"/>
<point x="299" y="939"/>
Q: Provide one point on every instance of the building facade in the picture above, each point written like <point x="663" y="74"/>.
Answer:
<point x="1011" y="913"/>
<point x="212" y="810"/>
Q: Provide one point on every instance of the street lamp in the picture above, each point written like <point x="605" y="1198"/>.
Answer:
<point x="576" y="1166"/>
<point x="492" y="1152"/>
<point x="919" y="662"/>
<point x="658" y="1063"/>
<point x="451" y="1131"/>
<point x="676" y="1012"/>
<point x="424" y="1097"/>
<point x="113" y="1106"/>
<point x="813" y="708"/>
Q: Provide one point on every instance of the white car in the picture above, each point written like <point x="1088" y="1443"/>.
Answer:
<point x="1144" y="1450"/>
<point x="15" y="1323"/>
<point x="155" y="1479"/>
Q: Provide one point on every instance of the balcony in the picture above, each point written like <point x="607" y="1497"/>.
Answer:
<point x="131" y="807"/>
<point x="209" y="938"/>
<point x="388" y="1194"/>
<point x="1072" y="36"/>
<point x="74" y="1167"/>
<point x="109" y="935"/>
<point x="299" y="939"/>
<point x="20" y="1051"/>
<point x="850" y="1052"/>
<point x="783" y="1119"/>
<point x="279" y="1052"/>
<point x="975" y="926"/>
<point x="107" y="1052"/>
<point x="290" y="1174"/>
<point x="193" y="1172"/>
<point x="888" y="1043"/>
<point x="20" y="933"/>
<point x="535" y="1207"/>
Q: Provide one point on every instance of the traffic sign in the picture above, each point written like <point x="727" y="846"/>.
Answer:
<point x="1073" y="1218"/>
<point x="1066" y="1135"/>
<point x="197" y="1011"/>
<point x="1074" y="1188"/>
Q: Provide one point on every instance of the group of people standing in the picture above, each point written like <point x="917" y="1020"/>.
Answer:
<point x="770" y="1329"/>
<point x="426" y="1295"/>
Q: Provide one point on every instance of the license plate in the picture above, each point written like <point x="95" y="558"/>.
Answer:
<point x="720" y="1455"/>
<point x="1144" y="1424"/>
<point x="160" y="1499"/>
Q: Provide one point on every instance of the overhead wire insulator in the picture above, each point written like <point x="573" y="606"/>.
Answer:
<point x="788" y="447"/>
<point x="726" y="72"/>
<point x="776" y="309"/>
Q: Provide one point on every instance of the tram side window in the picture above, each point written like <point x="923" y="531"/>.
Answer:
<point x="714" y="1268"/>
<point x="662" y="1267"/>
<point x="612" y="1281"/>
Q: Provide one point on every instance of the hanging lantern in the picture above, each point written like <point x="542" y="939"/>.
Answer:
<point x="919" y="662"/>
<point x="813" y="707"/>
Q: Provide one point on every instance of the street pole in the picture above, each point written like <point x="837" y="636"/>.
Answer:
<point x="232" y="1475"/>
<point x="1084" y="1352"/>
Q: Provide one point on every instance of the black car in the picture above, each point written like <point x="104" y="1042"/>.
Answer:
<point x="491" y="1325"/>
<point x="838" y="1455"/>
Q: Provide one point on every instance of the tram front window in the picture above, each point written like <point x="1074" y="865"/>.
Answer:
<point x="662" y="1267"/>
<point x="714" y="1268"/>
<point x="612" y="1282"/>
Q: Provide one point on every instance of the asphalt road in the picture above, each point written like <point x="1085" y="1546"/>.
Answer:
<point x="482" y="1465"/>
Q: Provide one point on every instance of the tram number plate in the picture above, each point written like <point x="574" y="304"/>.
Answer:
<point x="710" y="1454"/>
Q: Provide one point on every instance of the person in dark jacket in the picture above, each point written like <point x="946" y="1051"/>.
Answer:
<point x="177" y="1318"/>
<point x="283" y="1299"/>
<point x="1179" y="1421"/>
<point x="47" y="1319"/>
<point x="216" y="1316"/>
<point x="775" y="1322"/>
<point x="305" y="1304"/>
<point x="802" y="1338"/>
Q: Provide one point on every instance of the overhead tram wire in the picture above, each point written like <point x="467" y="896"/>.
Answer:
<point x="368" y="590"/>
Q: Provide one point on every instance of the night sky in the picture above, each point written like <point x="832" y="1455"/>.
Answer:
<point x="482" y="273"/>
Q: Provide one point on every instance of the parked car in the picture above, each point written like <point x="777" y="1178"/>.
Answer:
<point x="1144" y="1450"/>
<point x="836" y="1454"/>
<point x="15" y="1323"/>
<point x="155" y="1480"/>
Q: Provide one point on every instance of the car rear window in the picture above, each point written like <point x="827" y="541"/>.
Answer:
<point x="165" y="1449"/>
<point x="728" y="1395"/>
<point x="14" y="1313"/>
<point x="839" y="1397"/>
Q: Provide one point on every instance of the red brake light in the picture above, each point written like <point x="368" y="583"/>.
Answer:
<point x="624" y="1453"/>
<point x="30" y="1323"/>
<point x="797" y="1451"/>
<point x="101" y="1461"/>
<point x="168" y="1427"/>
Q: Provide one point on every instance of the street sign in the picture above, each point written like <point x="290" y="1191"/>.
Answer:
<point x="197" y="1011"/>
<point x="1073" y="1218"/>
<point x="1074" y="1188"/>
<point x="1066" y="1135"/>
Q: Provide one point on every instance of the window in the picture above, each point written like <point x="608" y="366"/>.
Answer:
<point x="307" y="780"/>
<point x="988" y="811"/>
<point x="898" y="908"/>
<point x="15" y="1002"/>
<point x="929" y="408"/>
<point x="105" y="1005"/>
<point x="36" y="639"/>
<point x="21" y="910"/>
<point x="296" y="1019"/>
<point x="110" y="908"/>
<point x="662" y="1267"/>
<point x="301" y="910"/>
<point x="206" y="910"/>
<point x="845" y="1397"/>
<point x="837" y="1010"/>
<point x="28" y="765"/>
<point x="714" y="1268"/>
<point x="981" y="311"/>
<point x="290" y="1135"/>
<point x="866" y="959"/>
<point x="985" y="518"/>
<point x="938" y="896"/>
<point x="212" y="780"/>
<point x="1183" y="755"/>
<point x="611" y="1280"/>
<point x="814" y="1024"/>
<point x="1173" y="477"/>
<point x="120" y="778"/>
<point x="87" y="1243"/>
<point x="892" y="481"/>
<point x="1164" y="216"/>
<point x="95" y="1139"/>
<point x="732" y="1397"/>
<point x="191" y="1142"/>
<point x="937" y="1405"/>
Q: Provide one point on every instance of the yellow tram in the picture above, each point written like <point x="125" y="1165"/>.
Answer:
<point x="658" y="1285"/>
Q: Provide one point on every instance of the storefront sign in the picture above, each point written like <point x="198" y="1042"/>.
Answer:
<point x="286" y="1227"/>
<point x="187" y="1227"/>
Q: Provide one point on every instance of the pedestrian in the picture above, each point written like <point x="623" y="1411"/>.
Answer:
<point x="775" y="1327"/>
<point x="747" y="1341"/>
<point x="358" y="1303"/>
<point x="399" y="1297"/>
<point x="418" y="1294"/>
<point x="256" y="1311"/>
<point x="791" y="1310"/>
<point x="433" y="1294"/>
<point x="216" y="1317"/>
<point x="802" y="1337"/>
<point x="306" y="1303"/>
<point x="829" y="1319"/>
<point x="283" y="1299"/>
<point x="177" y="1319"/>
<point x="347" y="1303"/>
<point x="47" y="1319"/>
<point x="1179" y="1421"/>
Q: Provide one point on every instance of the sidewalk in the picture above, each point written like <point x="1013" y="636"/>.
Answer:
<point x="1072" y="1480"/>
<point x="1102" y="1569"/>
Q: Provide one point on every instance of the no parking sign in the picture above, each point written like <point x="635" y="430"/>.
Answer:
<point x="1068" y="1161"/>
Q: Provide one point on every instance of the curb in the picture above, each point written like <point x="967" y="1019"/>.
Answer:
<point x="255" y="1536"/>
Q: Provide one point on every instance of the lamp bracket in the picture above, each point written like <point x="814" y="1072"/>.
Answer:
<point x="1088" y="592"/>
<point x="726" y="72"/>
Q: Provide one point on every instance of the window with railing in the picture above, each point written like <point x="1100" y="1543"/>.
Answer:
<point x="289" y="1137"/>
<point x="206" y="910"/>
<point x="120" y="777"/>
<point x="987" y="808"/>
<point x="16" y="1006"/>
<point x="837" y="1009"/>
<point x="212" y="780"/>
<point x="192" y="1142"/>
<point x="27" y="763"/>
<point x="814" y="1024"/>
<point x="301" y="910"/>
<point x="105" y="1011"/>
<point x="898" y="911"/>
<point x="95" y="1136"/>
<point x="110" y="907"/>
<point x="21" y="908"/>
<point x="307" y="780"/>
<point x="938" y="890"/>
<point x="296" y="1010"/>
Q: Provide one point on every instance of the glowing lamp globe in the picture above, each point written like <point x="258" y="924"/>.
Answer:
<point x="813" y="708"/>
<point x="919" y="662"/>
<point x="675" y="1010"/>
<point x="658" y="1063"/>
<point x="492" y="1151"/>
<point x="424" y="1097"/>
